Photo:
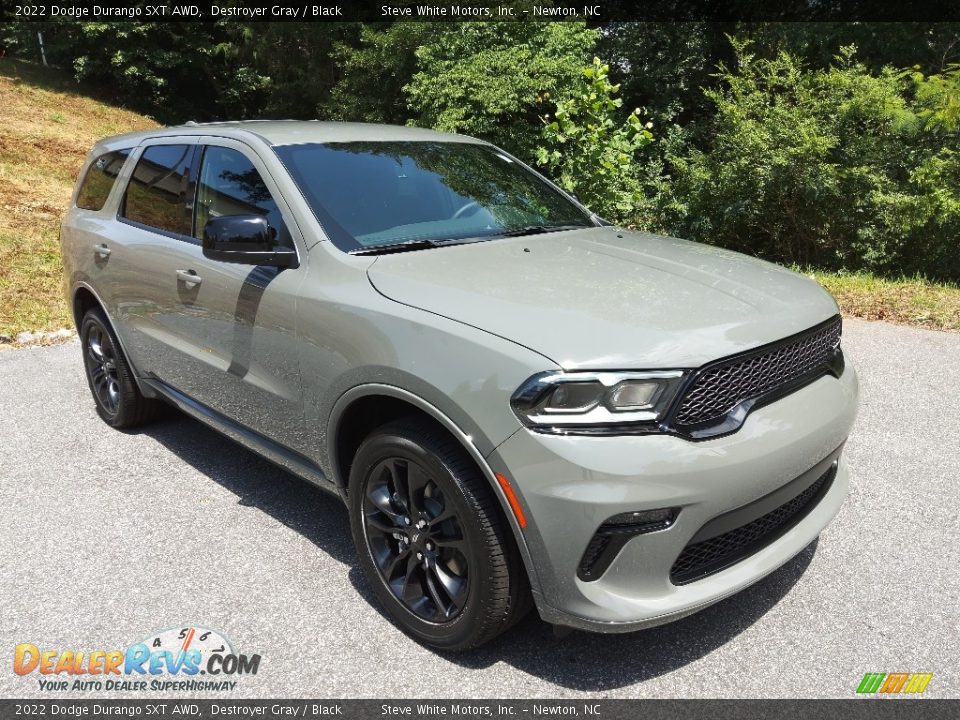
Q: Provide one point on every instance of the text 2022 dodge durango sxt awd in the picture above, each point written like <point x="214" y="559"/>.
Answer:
<point x="516" y="401"/>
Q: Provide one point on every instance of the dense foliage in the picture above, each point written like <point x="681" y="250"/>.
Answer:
<point x="827" y="144"/>
<point x="590" y="152"/>
<point x="834" y="167"/>
<point x="485" y="79"/>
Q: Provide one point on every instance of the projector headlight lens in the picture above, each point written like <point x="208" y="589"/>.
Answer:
<point x="634" y="395"/>
<point x="596" y="400"/>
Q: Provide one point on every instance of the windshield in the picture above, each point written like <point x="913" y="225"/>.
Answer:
<point x="382" y="195"/>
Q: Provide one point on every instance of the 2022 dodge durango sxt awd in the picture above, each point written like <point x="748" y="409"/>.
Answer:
<point x="518" y="403"/>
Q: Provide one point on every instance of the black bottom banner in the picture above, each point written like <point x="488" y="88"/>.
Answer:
<point x="872" y="709"/>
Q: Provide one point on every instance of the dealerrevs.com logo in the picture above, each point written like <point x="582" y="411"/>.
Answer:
<point x="894" y="683"/>
<point x="189" y="658"/>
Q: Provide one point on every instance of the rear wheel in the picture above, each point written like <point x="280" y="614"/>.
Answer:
<point x="432" y="539"/>
<point x="110" y="377"/>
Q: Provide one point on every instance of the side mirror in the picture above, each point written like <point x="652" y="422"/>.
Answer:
<point x="245" y="239"/>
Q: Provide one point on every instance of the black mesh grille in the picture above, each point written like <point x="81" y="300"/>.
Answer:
<point x="721" y="387"/>
<point x="717" y="553"/>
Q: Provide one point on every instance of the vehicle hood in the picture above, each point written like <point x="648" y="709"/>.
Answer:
<point x="604" y="298"/>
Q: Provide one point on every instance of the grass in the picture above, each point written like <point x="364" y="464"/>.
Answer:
<point x="48" y="126"/>
<point x="906" y="301"/>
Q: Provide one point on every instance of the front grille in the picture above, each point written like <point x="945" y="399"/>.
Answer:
<point x="722" y="386"/>
<point x="698" y="560"/>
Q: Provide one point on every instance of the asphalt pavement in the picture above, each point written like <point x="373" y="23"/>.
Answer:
<point x="108" y="537"/>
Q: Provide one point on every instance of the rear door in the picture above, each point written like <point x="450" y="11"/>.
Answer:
<point x="153" y="216"/>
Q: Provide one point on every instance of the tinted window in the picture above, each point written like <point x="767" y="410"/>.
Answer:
<point x="99" y="179"/>
<point x="160" y="187"/>
<point x="230" y="185"/>
<point x="384" y="193"/>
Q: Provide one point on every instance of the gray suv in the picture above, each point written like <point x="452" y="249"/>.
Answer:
<point x="519" y="404"/>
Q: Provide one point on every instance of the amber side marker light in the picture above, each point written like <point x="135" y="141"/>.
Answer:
<point x="513" y="500"/>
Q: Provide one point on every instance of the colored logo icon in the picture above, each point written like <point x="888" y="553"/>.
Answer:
<point x="894" y="683"/>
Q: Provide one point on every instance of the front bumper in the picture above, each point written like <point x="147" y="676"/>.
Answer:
<point x="570" y="485"/>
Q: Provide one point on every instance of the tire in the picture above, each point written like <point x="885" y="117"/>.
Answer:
<point x="110" y="377"/>
<point x="468" y="584"/>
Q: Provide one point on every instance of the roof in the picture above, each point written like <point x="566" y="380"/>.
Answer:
<point x="292" y="132"/>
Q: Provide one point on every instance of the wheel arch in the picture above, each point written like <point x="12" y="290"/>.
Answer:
<point x="83" y="298"/>
<point x="351" y="420"/>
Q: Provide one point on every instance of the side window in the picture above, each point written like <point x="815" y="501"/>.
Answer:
<point x="98" y="182"/>
<point x="160" y="188"/>
<point x="230" y="185"/>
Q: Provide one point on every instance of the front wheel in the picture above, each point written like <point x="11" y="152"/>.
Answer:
<point x="432" y="539"/>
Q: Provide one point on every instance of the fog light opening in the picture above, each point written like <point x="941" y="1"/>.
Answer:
<point x="610" y="538"/>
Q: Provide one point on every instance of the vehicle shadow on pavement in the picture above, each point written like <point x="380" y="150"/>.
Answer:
<point x="302" y="507"/>
<point x="594" y="662"/>
<point x="581" y="661"/>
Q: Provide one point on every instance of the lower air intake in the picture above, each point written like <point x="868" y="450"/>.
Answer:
<point x="698" y="560"/>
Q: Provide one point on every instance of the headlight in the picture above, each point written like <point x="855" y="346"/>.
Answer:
<point x="594" y="401"/>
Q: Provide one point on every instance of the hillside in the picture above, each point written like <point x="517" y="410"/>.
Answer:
<point x="47" y="125"/>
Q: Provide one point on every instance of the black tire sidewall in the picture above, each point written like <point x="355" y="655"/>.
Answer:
<point x="461" y="631"/>
<point x="128" y="390"/>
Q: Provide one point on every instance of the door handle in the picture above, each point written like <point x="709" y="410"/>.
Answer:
<point x="189" y="277"/>
<point x="101" y="250"/>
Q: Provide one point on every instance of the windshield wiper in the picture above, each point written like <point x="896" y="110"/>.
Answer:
<point x="538" y="230"/>
<point x="419" y="244"/>
<point x="424" y="243"/>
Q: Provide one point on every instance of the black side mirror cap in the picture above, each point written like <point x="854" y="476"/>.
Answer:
<point x="247" y="240"/>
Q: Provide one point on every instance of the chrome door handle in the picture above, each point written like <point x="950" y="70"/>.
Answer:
<point x="102" y="250"/>
<point x="189" y="277"/>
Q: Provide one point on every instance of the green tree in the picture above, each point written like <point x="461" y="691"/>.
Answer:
<point x="169" y="70"/>
<point x="591" y="151"/>
<point x="373" y="69"/>
<point x="663" y="67"/>
<point x="279" y="70"/>
<point x="833" y="167"/>
<point x="938" y="97"/>
<point x="489" y="79"/>
<point x="930" y="46"/>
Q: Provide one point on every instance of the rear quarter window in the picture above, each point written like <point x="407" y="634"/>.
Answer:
<point x="99" y="180"/>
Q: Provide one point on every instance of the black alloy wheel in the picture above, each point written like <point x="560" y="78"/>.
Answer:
<point x="118" y="399"/>
<point x="102" y="367"/>
<point x="416" y="541"/>
<point x="432" y="538"/>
